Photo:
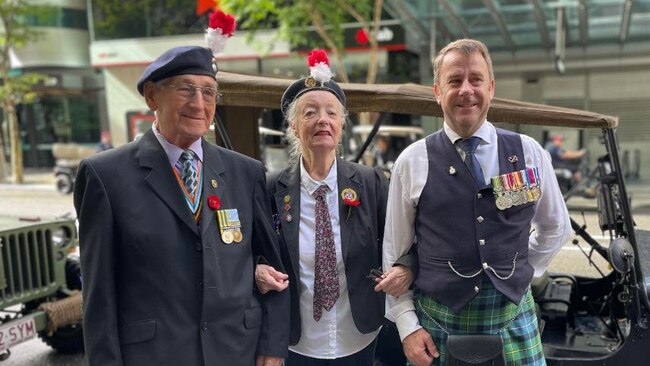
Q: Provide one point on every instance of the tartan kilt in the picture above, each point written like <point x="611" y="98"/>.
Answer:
<point x="488" y="312"/>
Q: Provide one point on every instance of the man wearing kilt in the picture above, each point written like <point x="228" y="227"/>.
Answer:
<point x="485" y="212"/>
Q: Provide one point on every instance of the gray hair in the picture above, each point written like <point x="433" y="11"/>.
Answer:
<point x="295" y="148"/>
<point x="466" y="46"/>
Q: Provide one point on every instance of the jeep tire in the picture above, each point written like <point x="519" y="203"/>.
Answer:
<point x="68" y="339"/>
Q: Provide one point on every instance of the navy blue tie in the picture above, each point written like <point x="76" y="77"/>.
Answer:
<point x="469" y="146"/>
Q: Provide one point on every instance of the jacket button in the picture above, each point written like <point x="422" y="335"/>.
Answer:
<point x="476" y="289"/>
<point x="198" y="246"/>
<point x="481" y="241"/>
<point x="479" y="195"/>
<point x="204" y="326"/>
<point x="479" y="219"/>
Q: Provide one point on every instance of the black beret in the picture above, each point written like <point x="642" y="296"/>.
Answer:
<point x="300" y="87"/>
<point x="183" y="60"/>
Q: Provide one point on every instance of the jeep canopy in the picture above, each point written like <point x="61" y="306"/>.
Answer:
<point x="264" y="92"/>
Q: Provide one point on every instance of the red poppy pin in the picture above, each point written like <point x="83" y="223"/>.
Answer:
<point x="350" y="197"/>
<point x="214" y="202"/>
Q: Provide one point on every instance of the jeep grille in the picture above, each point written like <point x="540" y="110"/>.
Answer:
<point x="27" y="266"/>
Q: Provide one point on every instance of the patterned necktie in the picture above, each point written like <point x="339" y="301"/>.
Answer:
<point x="469" y="146"/>
<point x="326" y="279"/>
<point x="188" y="171"/>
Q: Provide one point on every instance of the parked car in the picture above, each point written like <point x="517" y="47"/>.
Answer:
<point x="587" y="320"/>
<point x="39" y="284"/>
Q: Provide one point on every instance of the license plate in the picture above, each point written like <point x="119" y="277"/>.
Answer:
<point x="18" y="331"/>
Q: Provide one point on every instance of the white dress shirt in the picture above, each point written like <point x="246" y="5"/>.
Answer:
<point x="335" y="334"/>
<point x="550" y="223"/>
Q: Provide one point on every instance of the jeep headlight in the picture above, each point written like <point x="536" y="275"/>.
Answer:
<point x="60" y="236"/>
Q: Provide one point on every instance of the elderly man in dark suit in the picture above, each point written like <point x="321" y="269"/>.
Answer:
<point x="170" y="227"/>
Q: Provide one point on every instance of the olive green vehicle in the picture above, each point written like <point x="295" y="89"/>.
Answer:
<point x="39" y="284"/>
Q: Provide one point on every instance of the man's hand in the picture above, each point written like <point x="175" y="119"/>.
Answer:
<point x="396" y="281"/>
<point x="419" y="348"/>
<point x="263" y="360"/>
<point x="267" y="279"/>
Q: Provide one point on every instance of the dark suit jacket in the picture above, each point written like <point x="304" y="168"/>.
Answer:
<point x="157" y="289"/>
<point x="361" y="238"/>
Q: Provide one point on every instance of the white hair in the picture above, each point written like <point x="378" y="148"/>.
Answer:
<point x="292" y="118"/>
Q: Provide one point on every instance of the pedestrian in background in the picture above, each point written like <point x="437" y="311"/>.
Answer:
<point x="105" y="142"/>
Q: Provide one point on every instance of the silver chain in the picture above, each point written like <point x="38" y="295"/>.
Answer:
<point x="514" y="267"/>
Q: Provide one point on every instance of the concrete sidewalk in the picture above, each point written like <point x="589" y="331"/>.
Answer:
<point x="37" y="179"/>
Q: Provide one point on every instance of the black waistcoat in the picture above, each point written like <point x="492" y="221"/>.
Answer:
<point x="462" y="238"/>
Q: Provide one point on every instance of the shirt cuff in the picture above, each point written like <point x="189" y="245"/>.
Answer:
<point x="407" y="323"/>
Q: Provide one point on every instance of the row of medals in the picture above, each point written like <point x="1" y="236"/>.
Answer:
<point x="230" y="226"/>
<point x="516" y="188"/>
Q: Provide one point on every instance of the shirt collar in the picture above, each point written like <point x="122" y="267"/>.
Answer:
<point x="174" y="152"/>
<point x="312" y="185"/>
<point x="486" y="132"/>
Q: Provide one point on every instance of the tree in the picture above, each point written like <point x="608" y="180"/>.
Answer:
<point x="16" y="89"/>
<point x="114" y="19"/>
<point x="325" y="16"/>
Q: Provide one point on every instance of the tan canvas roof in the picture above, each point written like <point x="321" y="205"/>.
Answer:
<point x="265" y="92"/>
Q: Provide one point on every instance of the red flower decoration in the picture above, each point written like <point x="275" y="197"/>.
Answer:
<point x="361" y="37"/>
<point x="353" y="203"/>
<point x="214" y="202"/>
<point x="316" y="57"/>
<point x="225" y="22"/>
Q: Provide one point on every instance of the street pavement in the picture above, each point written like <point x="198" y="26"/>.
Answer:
<point x="37" y="197"/>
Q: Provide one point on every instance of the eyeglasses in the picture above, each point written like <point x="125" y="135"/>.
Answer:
<point x="188" y="91"/>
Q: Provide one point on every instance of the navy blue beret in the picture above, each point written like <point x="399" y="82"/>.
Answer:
<point x="183" y="60"/>
<point x="300" y="87"/>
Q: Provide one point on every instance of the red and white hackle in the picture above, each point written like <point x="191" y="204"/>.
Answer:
<point x="319" y="66"/>
<point x="221" y="27"/>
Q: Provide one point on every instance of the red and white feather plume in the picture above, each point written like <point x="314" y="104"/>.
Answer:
<point x="221" y="27"/>
<point x="319" y="66"/>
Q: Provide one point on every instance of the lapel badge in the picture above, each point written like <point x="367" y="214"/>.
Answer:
<point x="350" y="197"/>
<point x="452" y="170"/>
<point x="513" y="159"/>
<point x="287" y="207"/>
<point x="214" y="183"/>
<point x="288" y="217"/>
<point x="286" y="199"/>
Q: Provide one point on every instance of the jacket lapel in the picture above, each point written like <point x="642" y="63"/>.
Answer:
<point x="161" y="178"/>
<point x="288" y="185"/>
<point x="347" y="177"/>
<point x="213" y="169"/>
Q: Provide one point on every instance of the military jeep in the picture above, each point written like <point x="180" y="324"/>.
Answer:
<point x="39" y="284"/>
<point x="585" y="320"/>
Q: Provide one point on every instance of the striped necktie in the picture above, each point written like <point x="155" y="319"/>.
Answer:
<point x="188" y="171"/>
